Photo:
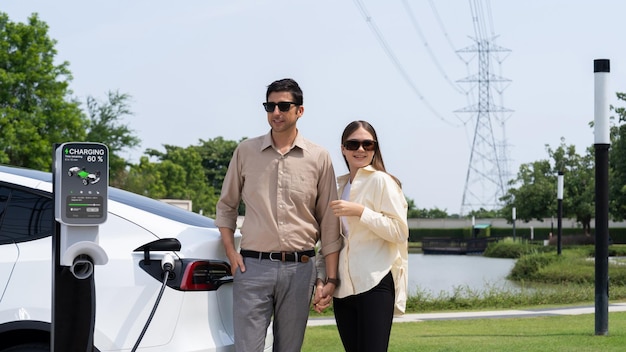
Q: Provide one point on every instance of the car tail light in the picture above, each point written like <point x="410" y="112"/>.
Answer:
<point x="204" y="275"/>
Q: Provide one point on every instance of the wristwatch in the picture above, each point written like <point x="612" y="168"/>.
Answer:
<point x="333" y="281"/>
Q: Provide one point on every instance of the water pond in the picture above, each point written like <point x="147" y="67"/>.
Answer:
<point x="444" y="273"/>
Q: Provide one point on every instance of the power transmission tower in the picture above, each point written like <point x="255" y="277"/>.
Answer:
<point x="487" y="172"/>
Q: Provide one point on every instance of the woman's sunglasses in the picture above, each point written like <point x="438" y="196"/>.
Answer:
<point x="353" y="144"/>
<point x="283" y="106"/>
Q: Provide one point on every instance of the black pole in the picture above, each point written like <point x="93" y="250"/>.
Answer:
<point x="73" y="300"/>
<point x="559" y="220"/>
<point x="559" y="230"/>
<point x="601" y="69"/>
<point x="602" y="239"/>
<point x="513" y="230"/>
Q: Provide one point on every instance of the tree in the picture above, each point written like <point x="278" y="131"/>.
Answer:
<point x="483" y="213"/>
<point x="145" y="178"/>
<point x="617" y="161"/>
<point x="195" y="172"/>
<point x="415" y="213"/>
<point x="436" y="213"/>
<point x="178" y="174"/>
<point x="35" y="105"/>
<point x="105" y="127"/>
<point x="216" y="154"/>
<point x="535" y="198"/>
<point x="578" y="183"/>
<point x="195" y="187"/>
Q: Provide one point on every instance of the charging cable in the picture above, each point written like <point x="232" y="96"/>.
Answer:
<point x="167" y="264"/>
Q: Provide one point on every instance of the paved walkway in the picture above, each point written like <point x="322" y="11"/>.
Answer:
<point x="407" y="318"/>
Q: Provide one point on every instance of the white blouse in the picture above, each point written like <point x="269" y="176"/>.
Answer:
<point x="345" y="195"/>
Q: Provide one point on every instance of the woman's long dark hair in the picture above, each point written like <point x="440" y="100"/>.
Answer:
<point x="377" y="161"/>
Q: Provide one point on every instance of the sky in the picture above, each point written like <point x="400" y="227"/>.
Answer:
<point x="197" y="70"/>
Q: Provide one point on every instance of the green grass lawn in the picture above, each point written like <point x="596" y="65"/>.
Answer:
<point x="553" y="281"/>
<point x="558" y="333"/>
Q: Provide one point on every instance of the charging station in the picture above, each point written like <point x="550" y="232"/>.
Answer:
<point x="80" y="187"/>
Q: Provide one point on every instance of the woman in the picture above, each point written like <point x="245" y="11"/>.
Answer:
<point x="373" y="263"/>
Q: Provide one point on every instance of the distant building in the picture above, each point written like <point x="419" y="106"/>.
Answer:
<point x="181" y="203"/>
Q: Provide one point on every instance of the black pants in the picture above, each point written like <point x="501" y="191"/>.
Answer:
<point x="364" y="320"/>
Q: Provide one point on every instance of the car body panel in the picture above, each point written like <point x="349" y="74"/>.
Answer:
<point x="125" y="294"/>
<point x="8" y="257"/>
<point x="30" y="296"/>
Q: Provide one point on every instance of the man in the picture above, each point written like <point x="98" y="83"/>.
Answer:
<point x="287" y="184"/>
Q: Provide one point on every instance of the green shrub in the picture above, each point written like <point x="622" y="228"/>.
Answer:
<point x="617" y="273"/>
<point x="507" y="248"/>
<point x="464" y="298"/>
<point x="527" y="266"/>
<point x="616" y="250"/>
<point x="573" y="266"/>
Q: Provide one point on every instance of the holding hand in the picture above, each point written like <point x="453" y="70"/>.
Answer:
<point x="323" y="296"/>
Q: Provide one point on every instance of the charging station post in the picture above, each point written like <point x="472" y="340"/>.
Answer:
<point x="80" y="188"/>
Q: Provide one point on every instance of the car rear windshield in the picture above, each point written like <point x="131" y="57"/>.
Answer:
<point x="132" y="199"/>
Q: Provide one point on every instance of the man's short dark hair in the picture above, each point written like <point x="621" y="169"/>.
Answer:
<point x="286" y="85"/>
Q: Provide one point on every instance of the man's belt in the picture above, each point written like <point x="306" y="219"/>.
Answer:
<point x="301" y="257"/>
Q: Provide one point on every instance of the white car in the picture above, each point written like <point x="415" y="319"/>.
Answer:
<point x="194" y="313"/>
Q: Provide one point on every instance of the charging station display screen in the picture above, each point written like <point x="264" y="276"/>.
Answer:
<point x="81" y="183"/>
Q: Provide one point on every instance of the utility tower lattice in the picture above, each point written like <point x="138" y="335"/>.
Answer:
<point x="487" y="170"/>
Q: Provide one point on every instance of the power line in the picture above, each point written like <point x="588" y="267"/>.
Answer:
<point x="445" y="32"/>
<point x="417" y="28"/>
<point x="468" y="92"/>
<point x="383" y="43"/>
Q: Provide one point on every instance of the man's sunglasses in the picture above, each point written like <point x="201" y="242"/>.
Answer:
<point x="353" y="144"/>
<point x="283" y="106"/>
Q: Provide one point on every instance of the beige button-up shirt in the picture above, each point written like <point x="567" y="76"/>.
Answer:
<point x="287" y="197"/>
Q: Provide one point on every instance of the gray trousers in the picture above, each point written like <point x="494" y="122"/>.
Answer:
<point x="271" y="288"/>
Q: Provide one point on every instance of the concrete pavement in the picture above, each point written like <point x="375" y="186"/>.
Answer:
<point x="407" y="318"/>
